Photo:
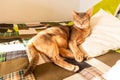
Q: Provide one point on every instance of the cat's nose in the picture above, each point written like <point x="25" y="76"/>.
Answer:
<point x="81" y="23"/>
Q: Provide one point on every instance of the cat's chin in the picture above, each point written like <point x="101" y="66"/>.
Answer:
<point x="82" y="27"/>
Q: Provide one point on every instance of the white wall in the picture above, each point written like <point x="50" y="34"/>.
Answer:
<point x="20" y="11"/>
<point x="27" y="11"/>
<point x="86" y="4"/>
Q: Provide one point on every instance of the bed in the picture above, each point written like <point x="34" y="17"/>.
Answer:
<point x="100" y="45"/>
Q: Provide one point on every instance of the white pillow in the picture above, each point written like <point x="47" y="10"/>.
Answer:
<point x="105" y="35"/>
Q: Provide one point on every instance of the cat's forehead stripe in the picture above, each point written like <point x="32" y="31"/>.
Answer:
<point x="81" y="14"/>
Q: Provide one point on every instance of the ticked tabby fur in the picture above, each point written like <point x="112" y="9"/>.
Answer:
<point x="61" y="41"/>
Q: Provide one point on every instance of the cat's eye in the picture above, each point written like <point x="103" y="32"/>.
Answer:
<point x="84" y="20"/>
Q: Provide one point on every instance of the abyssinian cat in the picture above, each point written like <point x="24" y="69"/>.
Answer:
<point x="61" y="42"/>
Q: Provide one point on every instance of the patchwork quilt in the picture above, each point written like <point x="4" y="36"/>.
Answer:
<point x="9" y="51"/>
<point x="13" y="62"/>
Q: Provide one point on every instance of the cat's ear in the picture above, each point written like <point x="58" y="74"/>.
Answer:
<point x="74" y="13"/>
<point x="90" y="11"/>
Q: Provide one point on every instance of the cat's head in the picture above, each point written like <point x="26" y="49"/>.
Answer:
<point x="82" y="20"/>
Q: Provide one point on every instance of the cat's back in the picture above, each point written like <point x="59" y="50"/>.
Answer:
<point x="58" y="34"/>
<point x="61" y="31"/>
<point x="55" y="30"/>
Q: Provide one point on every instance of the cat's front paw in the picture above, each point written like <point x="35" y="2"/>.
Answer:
<point x="79" y="57"/>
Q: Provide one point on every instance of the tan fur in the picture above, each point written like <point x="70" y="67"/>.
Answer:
<point x="58" y="42"/>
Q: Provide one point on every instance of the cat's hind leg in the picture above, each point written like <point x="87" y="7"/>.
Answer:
<point x="48" y="46"/>
<point x="60" y="62"/>
<point x="53" y="54"/>
<point x="33" y="56"/>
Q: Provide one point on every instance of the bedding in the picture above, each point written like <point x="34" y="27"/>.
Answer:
<point x="18" y="75"/>
<point x="13" y="58"/>
<point x="87" y="74"/>
<point x="113" y="73"/>
<point x="15" y="61"/>
<point x="94" y="72"/>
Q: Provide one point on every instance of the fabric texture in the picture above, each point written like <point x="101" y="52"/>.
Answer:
<point x="13" y="60"/>
<point x="2" y="56"/>
<point x="92" y="73"/>
<point x="11" y="50"/>
<point x="16" y="60"/>
<point x="13" y="65"/>
<point x="114" y="72"/>
<point x="104" y="37"/>
<point x="15" y="54"/>
<point x="18" y="75"/>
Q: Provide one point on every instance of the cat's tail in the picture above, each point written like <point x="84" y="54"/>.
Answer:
<point x="33" y="56"/>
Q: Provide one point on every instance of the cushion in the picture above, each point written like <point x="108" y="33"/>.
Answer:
<point x="105" y="35"/>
